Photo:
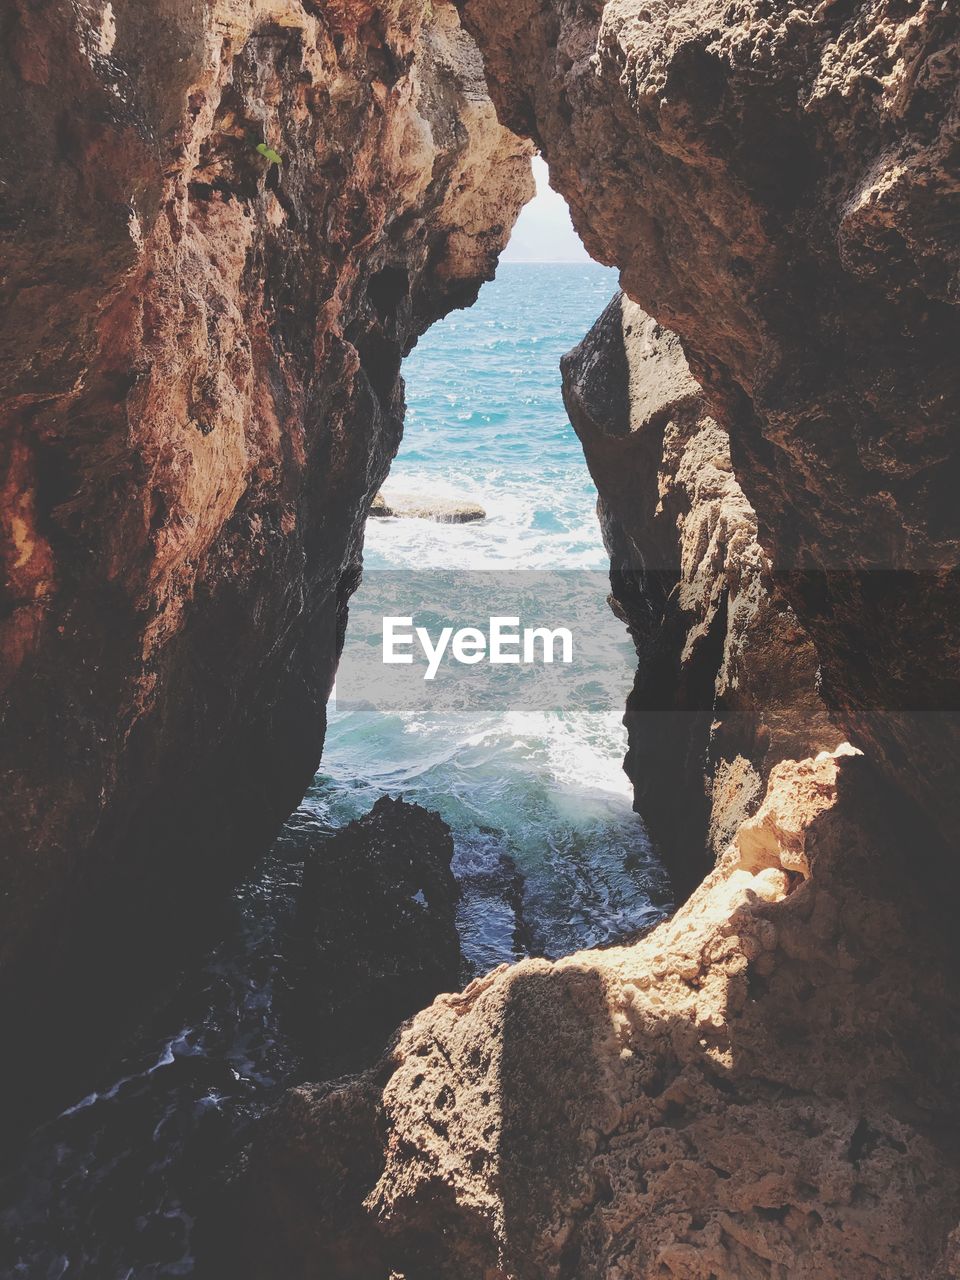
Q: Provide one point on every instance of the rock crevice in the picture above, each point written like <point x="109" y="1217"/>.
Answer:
<point x="764" y="1087"/>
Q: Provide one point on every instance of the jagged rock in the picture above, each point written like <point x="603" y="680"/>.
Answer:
<point x="764" y="1087"/>
<point x="778" y="185"/>
<point x="199" y="356"/>
<point x="443" y="510"/>
<point x="376" y="931"/>
<point x="727" y="682"/>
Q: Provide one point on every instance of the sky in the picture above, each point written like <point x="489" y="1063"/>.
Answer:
<point x="544" y="232"/>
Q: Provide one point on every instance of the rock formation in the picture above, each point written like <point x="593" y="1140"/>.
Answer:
<point x="376" y="936"/>
<point x="758" y="1089"/>
<point x="444" y="510"/>
<point x="778" y="185"/>
<point x="222" y="227"/>
<point x="235" y="219"/>
<point x="727" y="682"/>
<point x="765" y="1087"/>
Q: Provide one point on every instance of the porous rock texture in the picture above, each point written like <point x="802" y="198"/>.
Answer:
<point x="779" y="184"/>
<point x="727" y="681"/>
<point x="765" y="1087"/>
<point x="756" y="1090"/>
<point x="199" y="353"/>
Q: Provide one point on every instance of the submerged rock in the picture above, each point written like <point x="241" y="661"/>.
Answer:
<point x="376" y="934"/>
<point x="443" y="510"/>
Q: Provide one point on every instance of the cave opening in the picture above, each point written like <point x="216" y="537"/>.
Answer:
<point x="489" y="508"/>
<point x="529" y="789"/>
<point x="548" y="852"/>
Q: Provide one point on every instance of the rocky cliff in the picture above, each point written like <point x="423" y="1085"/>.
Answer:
<point x="778" y="183"/>
<point x="222" y="226"/>
<point x="727" y="680"/>
<point x="234" y="220"/>
<point x="765" y="1087"/>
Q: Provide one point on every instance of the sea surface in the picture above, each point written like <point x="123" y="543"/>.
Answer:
<point x="550" y="856"/>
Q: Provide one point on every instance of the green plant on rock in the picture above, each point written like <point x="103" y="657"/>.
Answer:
<point x="268" y="153"/>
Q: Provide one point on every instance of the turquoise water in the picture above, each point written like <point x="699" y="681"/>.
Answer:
<point x="548" y="851"/>
<point x="486" y="423"/>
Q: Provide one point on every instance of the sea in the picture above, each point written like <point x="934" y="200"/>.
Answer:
<point x="549" y="853"/>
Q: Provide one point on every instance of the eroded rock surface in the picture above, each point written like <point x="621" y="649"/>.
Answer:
<point x="200" y="350"/>
<point x="727" y="683"/>
<point x="403" y="506"/>
<point x="779" y="184"/>
<point x="764" y="1087"/>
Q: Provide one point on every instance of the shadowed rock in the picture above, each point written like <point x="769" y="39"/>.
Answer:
<point x="727" y="680"/>
<point x="376" y="931"/>
<point x="762" y="1088"/>
<point x="778" y="185"/>
<point x="199" y="365"/>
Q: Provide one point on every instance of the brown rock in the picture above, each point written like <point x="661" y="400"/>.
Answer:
<point x="765" y="1086"/>
<point x="199" y="354"/>
<point x="778" y="184"/>
<point x="735" y="1096"/>
<point x="727" y="681"/>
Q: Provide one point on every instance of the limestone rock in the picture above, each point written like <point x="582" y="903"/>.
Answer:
<point x="199" y="356"/>
<point x="736" y="1096"/>
<point x="727" y="682"/>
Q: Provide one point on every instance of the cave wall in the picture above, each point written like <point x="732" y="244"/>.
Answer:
<point x="778" y="184"/>
<point x="199" y="353"/>
<point x="764" y="1087"/>
<point x="727" y="682"/>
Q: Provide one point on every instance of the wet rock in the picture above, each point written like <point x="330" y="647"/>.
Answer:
<point x="443" y="510"/>
<point x="376" y="935"/>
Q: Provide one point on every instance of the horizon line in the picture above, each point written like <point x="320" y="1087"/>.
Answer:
<point x="551" y="262"/>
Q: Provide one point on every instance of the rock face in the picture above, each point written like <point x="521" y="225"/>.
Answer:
<point x="443" y="510"/>
<point x="765" y="1086"/>
<point x="377" y="932"/>
<point x="684" y="1107"/>
<point x="199" y="353"/>
<point x="778" y="184"/>
<point x="727" y="682"/>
